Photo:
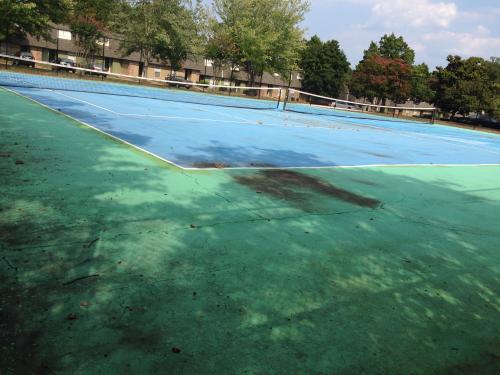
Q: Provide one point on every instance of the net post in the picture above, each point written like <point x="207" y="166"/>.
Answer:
<point x="287" y="97"/>
<point x="6" y="47"/>
<point x="279" y="99"/>
<point x="433" y="117"/>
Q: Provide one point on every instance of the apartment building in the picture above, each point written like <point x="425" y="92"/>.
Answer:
<point x="111" y="59"/>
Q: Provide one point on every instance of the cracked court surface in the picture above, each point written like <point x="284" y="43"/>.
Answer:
<point x="114" y="262"/>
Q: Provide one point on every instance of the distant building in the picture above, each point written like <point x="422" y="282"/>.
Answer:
<point x="111" y="59"/>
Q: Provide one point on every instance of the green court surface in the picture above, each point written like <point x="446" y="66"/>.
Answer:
<point x="114" y="262"/>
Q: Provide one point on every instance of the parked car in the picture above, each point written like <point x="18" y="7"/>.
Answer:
<point x="96" y="70"/>
<point x="67" y="65"/>
<point x="26" y="59"/>
<point x="171" y="81"/>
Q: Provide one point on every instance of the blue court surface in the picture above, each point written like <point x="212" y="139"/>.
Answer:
<point x="194" y="135"/>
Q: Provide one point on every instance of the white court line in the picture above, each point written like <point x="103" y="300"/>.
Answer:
<point x="140" y="115"/>
<point x="96" y="129"/>
<point x="411" y="134"/>
<point x="240" y="120"/>
<point x="247" y="168"/>
<point x="349" y="166"/>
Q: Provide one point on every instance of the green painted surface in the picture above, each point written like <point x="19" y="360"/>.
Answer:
<point x="111" y="258"/>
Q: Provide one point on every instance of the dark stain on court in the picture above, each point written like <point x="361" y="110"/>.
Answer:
<point x="299" y="188"/>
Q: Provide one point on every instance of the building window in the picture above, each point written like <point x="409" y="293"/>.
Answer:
<point x="63" y="34"/>
<point x="299" y="77"/>
<point x="208" y="62"/>
<point x="106" y="42"/>
<point x="157" y="73"/>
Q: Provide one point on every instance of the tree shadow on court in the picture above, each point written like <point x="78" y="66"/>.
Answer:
<point x="113" y="262"/>
<point x="223" y="154"/>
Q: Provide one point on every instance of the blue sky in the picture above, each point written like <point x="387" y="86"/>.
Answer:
<point x="434" y="29"/>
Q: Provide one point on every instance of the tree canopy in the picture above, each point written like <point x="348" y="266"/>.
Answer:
<point x="385" y="71"/>
<point x="465" y="86"/>
<point x="493" y="67"/>
<point x="261" y="34"/>
<point x="89" y="22"/>
<point x="421" y="79"/>
<point x="382" y="78"/>
<point x="18" y="18"/>
<point x="324" y="66"/>
<point x="393" y="47"/>
<point x="164" y="29"/>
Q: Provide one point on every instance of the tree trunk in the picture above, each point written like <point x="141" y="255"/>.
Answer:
<point x="145" y="69"/>
<point x="251" y="80"/>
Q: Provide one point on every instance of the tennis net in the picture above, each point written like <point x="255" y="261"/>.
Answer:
<point x="16" y="72"/>
<point x="304" y="102"/>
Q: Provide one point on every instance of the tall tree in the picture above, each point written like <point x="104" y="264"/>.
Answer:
<point x="393" y="47"/>
<point x="177" y="34"/>
<point x="421" y="78"/>
<point x="18" y="18"/>
<point x="325" y="67"/>
<point x="493" y="67"/>
<point x="221" y="49"/>
<point x="381" y="78"/>
<point x="372" y="50"/>
<point x="464" y="86"/>
<point x="89" y="23"/>
<point x="385" y="71"/>
<point x="163" y="29"/>
<point x="265" y="33"/>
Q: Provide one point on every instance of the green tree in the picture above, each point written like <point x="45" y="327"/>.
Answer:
<point x="138" y="28"/>
<point x="493" y="67"/>
<point x="177" y="36"/>
<point x="221" y="49"/>
<point x="89" y="23"/>
<point x="325" y="67"/>
<point x="393" y="47"/>
<point x="372" y="50"/>
<point x="421" y="78"/>
<point x="164" y="29"/>
<point x="464" y="86"/>
<point x="264" y="33"/>
<point x="18" y="18"/>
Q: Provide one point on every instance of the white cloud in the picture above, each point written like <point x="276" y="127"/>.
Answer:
<point x="415" y="13"/>
<point x="433" y="28"/>
<point x="464" y="43"/>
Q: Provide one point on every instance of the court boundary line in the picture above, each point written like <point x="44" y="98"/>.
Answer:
<point x="347" y="166"/>
<point x="242" y="121"/>
<point x="120" y="140"/>
<point x="238" y="120"/>
<point x="140" y="114"/>
<point x="96" y="129"/>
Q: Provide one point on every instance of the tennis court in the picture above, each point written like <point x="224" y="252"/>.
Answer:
<point x="193" y="129"/>
<point x="184" y="232"/>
